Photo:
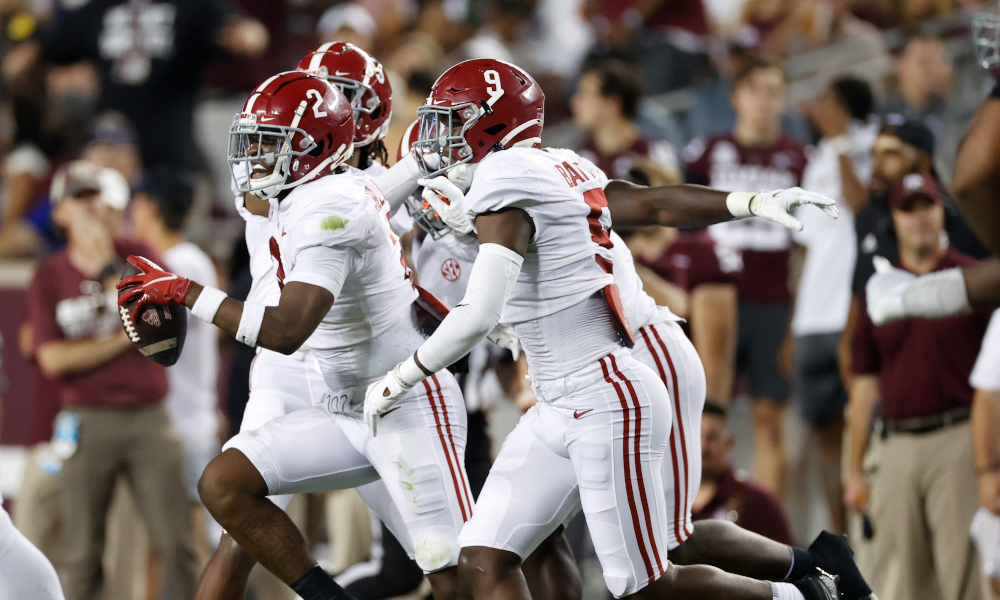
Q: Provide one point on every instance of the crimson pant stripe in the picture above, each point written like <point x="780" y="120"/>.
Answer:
<point x="638" y="464"/>
<point x="636" y="525"/>
<point x="673" y="442"/>
<point x="454" y="450"/>
<point x="444" y="448"/>
<point x="680" y="420"/>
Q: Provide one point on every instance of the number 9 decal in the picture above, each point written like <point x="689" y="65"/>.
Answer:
<point x="496" y="89"/>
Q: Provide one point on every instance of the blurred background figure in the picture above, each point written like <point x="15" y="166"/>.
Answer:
<point x="728" y="493"/>
<point x="757" y="155"/>
<point x="349" y="23"/>
<point x="923" y="490"/>
<point x="840" y="162"/>
<point x="107" y="389"/>
<point x="159" y="210"/>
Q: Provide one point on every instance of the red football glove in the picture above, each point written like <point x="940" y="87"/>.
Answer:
<point x="153" y="286"/>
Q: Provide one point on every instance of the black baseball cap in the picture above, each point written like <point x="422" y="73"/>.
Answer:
<point x="910" y="131"/>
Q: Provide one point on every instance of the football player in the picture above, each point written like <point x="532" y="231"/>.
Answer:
<point x="600" y="433"/>
<point x="330" y="240"/>
<point x="280" y="384"/>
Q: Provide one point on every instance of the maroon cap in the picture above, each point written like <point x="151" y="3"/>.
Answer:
<point x="914" y="184"/>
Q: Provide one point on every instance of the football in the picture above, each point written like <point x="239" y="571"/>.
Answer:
<point x="159" y="331"/>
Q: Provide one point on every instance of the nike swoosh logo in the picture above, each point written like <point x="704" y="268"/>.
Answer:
<point x="579" y="413"/>
<point x="389" y="411"/>
<point x="268" y="118"/>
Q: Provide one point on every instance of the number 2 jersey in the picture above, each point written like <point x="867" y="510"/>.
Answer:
<point x="334" y="233"/>
<point x="556" y="307"/>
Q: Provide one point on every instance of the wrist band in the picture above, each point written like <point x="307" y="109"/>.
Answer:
<point x="738" y="204"/>
<point x="842" y="145"/>
<point x="408" y="372"/>
<point x="208" y="303"/>
<point x="253" y="316"/>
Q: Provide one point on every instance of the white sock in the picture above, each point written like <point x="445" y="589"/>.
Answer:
<point x="785" y="591"/>
<point x="25" y="573"/>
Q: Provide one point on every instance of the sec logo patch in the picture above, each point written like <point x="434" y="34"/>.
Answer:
<point x="451" y="270"/>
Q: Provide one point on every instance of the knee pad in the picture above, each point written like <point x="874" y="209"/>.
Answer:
<point x="435" y="550"/>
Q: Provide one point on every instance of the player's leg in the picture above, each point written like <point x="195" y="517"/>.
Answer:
<point x="419" y="453"/>
<point x="278" y="385"/>
<point x="531" y="490"/>
<point x="25" y="573"/>
<point x="300" y="452"/>
<point x="551" y="571"/>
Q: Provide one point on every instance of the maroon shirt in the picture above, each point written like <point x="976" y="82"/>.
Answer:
<point x="695" y="258"/>
<point x="64" y="305"/>
<point x="723" y="163"/>
<point x="755" y="508"/>
<point x="923" y="364"/>
<point x="618" y="165"/>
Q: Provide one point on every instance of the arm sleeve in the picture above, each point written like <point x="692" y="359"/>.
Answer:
<point x="324" y="267"/>
<point x="399" y="181"/>
<point x="864" y="352"/>
<point x="490" y="283"/>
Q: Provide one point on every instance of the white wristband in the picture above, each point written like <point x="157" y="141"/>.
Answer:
<point x="208" y="303"/>
<point x="253" y="316"/>
<point x="738" y="204"/>
<point x="409" y="373"/>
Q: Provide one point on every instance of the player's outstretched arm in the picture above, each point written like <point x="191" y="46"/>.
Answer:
<point x="503" y="242"/>
<point x="283" y="328"/>
<point x="977" y="175"/>
<point x="698" y="206"/>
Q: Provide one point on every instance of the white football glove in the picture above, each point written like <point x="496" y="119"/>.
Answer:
<point x="504" y="336"/>
<point x="884" y="292"/>
<point x="778" y="205"/>
<point x="893" y="294"/>
<point x="382" y="395"/>
<point x="448" y="201"/>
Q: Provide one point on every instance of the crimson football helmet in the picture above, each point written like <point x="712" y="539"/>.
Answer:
<point x="476" y="107"/>
<point x="420" y="210"/>
<point x="294" y="128"/>
<point x="362" y="79"/>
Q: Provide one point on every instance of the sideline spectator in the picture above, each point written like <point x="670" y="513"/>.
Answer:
<point x="727" y="493"/>
<point x="150" y="57"/>
<point x="841" y="161"/>
<point x="159" y="211"/>
<point x="605" y="106"/>
<point x="669" y="37"/>
<point x="113" y="420"/>
<point x="924" y="74"/>
<point x="922" y="497"/>
<point x="757" y="156"/>
<point x="705" y="271"/>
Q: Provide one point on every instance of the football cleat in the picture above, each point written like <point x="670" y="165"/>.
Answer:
<point x="832" y="554"/>
<point x="819" y="586"/>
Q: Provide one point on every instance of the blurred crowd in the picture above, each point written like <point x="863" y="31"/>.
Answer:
<point x="112" y="114"/>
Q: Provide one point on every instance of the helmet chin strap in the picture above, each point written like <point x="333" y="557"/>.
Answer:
<point x="461" y="175"/>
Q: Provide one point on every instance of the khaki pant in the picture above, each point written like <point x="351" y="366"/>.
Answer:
<point x="141" y="446"/>
<point x="922" y="503"/>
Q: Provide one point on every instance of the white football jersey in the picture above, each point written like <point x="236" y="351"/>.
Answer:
<point x="567" y="205"/>
<point x="555" y="309"/>
<point x="334" y="232"/>
<point x="640" y="308"/>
